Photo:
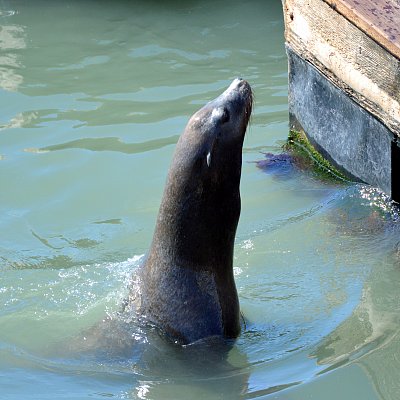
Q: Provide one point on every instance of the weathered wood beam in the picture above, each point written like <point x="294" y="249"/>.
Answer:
<point x="352" y="60"/>
<point x="379" y="19"/>
<point x="344" y="83"/>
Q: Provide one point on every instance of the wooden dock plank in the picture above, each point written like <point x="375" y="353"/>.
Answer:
<point x="379" y="19"/>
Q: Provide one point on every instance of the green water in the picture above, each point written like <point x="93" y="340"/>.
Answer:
<point x="93" y="97"/>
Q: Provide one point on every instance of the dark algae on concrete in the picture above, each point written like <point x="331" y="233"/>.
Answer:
<point x="300" y="148"/>
<point x="298" y="154"/>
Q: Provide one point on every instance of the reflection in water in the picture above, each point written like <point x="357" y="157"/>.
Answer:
<point x="12" y="38"/>
<point x="382" y="367"/>
<point x="371" y="335"/>
<point x="79" y="243"/>
<point x="20" y="120"/>
<point x="210" y="370"/>
<point x="367" y="329"/>
<point x="159" y="368"/>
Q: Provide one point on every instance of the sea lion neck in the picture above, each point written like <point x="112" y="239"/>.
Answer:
<point x="200" y="209"/>
<point x="198" y="216"/>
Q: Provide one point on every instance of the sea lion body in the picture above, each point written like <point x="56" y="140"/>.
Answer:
<point x="187" y="286"/>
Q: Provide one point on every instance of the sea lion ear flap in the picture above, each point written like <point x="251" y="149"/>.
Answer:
<point x="209" y="159"/>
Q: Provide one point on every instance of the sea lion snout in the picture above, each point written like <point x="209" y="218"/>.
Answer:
<point x="237" y="82"/>
<point x="241" y="85"/>
<point x="238" y="87"/>
<point x="234" y="105"/>
<point x="238" y="97"/>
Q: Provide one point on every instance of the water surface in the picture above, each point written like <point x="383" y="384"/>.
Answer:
<point x="93" y="98"/>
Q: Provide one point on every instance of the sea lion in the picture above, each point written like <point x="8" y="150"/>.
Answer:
<point x="187" y="286"/>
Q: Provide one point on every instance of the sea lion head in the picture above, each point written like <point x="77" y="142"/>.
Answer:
<point x="223" y="120"/>
<point x="201" y="204"/>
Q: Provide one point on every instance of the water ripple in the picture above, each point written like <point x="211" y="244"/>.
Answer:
<point x="109" y="144"/>
<point x="154" y="51"/>
<point x="168" y="93"/>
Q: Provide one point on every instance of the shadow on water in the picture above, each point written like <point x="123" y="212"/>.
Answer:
<point x="111" y="144"/>
<point x="286" y="163"/>
<point x="281" y="166"/>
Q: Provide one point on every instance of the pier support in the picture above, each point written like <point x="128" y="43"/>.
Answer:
<point x="344" y="86"/>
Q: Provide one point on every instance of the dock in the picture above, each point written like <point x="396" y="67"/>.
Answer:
<point x="344" y="84"/>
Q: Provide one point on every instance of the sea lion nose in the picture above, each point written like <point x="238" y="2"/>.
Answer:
<point x="240" y="82"/>
<point x="236" y="83"/>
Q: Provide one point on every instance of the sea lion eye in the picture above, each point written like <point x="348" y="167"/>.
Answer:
<point x="220" y="115"/>
<point x="225" y="116"/>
